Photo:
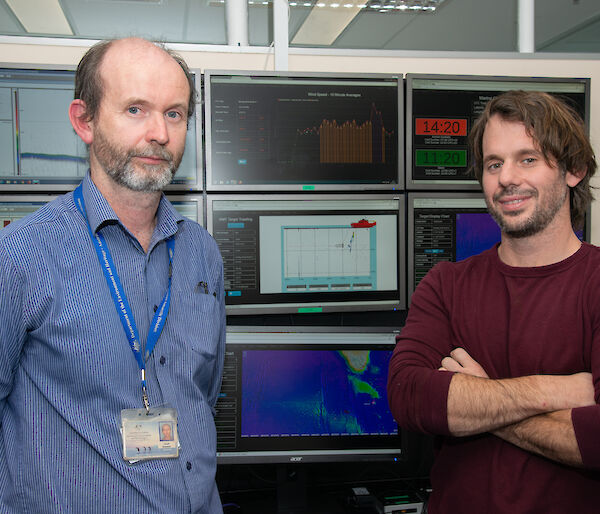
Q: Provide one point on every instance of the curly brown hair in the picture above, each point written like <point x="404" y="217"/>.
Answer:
<point x="558" y="131"/>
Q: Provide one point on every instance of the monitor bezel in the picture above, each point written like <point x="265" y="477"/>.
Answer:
<point x="302" y="187"/>
<point x="25" y="197"/>
<point x="197" y="120"/>
<point x="469" y="185"/>
<point x="394" y="453"/>
<point x="323" y="307"/>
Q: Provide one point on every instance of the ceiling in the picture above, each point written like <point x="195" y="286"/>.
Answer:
<point x="457" y="25"/>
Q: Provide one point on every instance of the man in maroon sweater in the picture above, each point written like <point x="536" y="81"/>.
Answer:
<point x="500" y="355"/>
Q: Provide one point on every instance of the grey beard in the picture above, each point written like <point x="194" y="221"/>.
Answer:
<point x="128" y="177"/>
<point x="119" y="166"/>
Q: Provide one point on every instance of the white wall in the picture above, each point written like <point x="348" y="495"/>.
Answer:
<point x="50" y="51"/>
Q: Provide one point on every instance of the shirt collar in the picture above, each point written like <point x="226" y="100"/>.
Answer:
<point x="167" y="219"/>
<point x="100" y="213"/>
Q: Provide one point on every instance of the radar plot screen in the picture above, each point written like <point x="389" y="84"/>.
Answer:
<point x="278" y="131"/>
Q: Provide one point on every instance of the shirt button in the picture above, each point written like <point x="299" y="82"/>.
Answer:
<point x="188" y="465"/>
<point x="162" y="360"/>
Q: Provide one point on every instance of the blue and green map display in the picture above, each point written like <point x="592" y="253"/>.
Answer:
<point x="315" y="393"/>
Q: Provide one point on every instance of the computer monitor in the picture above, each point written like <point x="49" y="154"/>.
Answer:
<point x="189" y="205"/>
<point x="446" y="227"/>
<point x="310" y="253"/>
<point x="16" y="206"/>
<point x="290" y="397"/>
<point x="300" y="131"/>
<point x="441" y="110"/>
<point x="39" y="150"/>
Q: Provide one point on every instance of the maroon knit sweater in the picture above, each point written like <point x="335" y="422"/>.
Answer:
<point x="514" y="322"/>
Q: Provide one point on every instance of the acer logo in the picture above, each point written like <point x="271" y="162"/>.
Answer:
<point x="295" y="459"/>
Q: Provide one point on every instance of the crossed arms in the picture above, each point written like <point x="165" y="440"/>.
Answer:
<point x="532" y="412"/>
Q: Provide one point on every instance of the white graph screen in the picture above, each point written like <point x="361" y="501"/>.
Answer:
<point x="336" y="256"/>
<point x="294" y="252"/>
<point x="327" y="253"/>
<point x="39" y="148"/>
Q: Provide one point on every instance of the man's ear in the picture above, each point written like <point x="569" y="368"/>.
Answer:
<point x="80" y="121"/>
<point x="573" y="178"/>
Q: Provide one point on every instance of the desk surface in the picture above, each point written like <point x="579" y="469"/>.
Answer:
<point x="317" y="501"/>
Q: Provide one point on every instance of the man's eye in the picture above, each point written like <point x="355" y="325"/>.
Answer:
<point x="133" y="110"/>
<point x="529" y="160"/>
<point x="173" y="115"/>
<point x="494" y="165"/>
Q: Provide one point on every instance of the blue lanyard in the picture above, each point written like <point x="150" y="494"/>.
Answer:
<point x="120" y="300"/>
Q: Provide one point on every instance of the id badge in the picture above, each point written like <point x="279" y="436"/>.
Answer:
<point x="149" y="434"/>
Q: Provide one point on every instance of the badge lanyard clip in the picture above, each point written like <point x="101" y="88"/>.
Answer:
<point x="145" y="392"/>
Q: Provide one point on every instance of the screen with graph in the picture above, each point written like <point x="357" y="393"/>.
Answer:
<point x="446" y="227"/>
<point x="291" y="253"/>
<point x="39" y="148"/>
<point x="302" y="132"/>
<point x="441" y="109"/>
<point x="303" y="397"/>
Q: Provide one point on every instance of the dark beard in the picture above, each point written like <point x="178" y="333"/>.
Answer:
<point x="538" y="221"/>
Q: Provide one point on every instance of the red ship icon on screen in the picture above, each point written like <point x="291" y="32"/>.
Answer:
<point x="363" y="224"/>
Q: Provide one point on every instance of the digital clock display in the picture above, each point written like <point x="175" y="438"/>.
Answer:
<point x="440" y="127"/>
<point x="449" y="158"/>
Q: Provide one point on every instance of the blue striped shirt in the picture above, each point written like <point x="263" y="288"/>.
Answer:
<point x="67" y="371"/>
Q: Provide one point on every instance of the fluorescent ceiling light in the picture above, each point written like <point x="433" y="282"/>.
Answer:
<point x="323" y="26"/>
<point x="329" y="18"/>
<point x="45" y="17"/>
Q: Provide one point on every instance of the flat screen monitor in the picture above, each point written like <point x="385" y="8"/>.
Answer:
<point x="310" y="253"/>
<point x="284" y="131"/>
<point x="290" y="396"/>
<point x="446" y="227"/>
<point x="16" y="206"/>
<point x="39" y="150"/>
<point x="441" y="110"/>
<point x="189" y="205"/>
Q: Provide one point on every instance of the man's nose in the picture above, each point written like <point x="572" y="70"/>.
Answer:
<point x="509" y="174"/>
<point x="157" y="129"/>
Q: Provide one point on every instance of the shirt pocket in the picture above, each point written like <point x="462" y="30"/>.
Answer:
<point x="196" y="328"/>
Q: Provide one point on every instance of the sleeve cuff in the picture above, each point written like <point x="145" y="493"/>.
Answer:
<point x="586" y="423"/>
<point x="438" y="403"/>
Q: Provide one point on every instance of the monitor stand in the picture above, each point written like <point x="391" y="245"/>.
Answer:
<point x="292" y="495"/>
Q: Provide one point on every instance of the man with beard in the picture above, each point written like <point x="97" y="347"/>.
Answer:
<point x="500" y="355"/>
<point x="113" y="318"/>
